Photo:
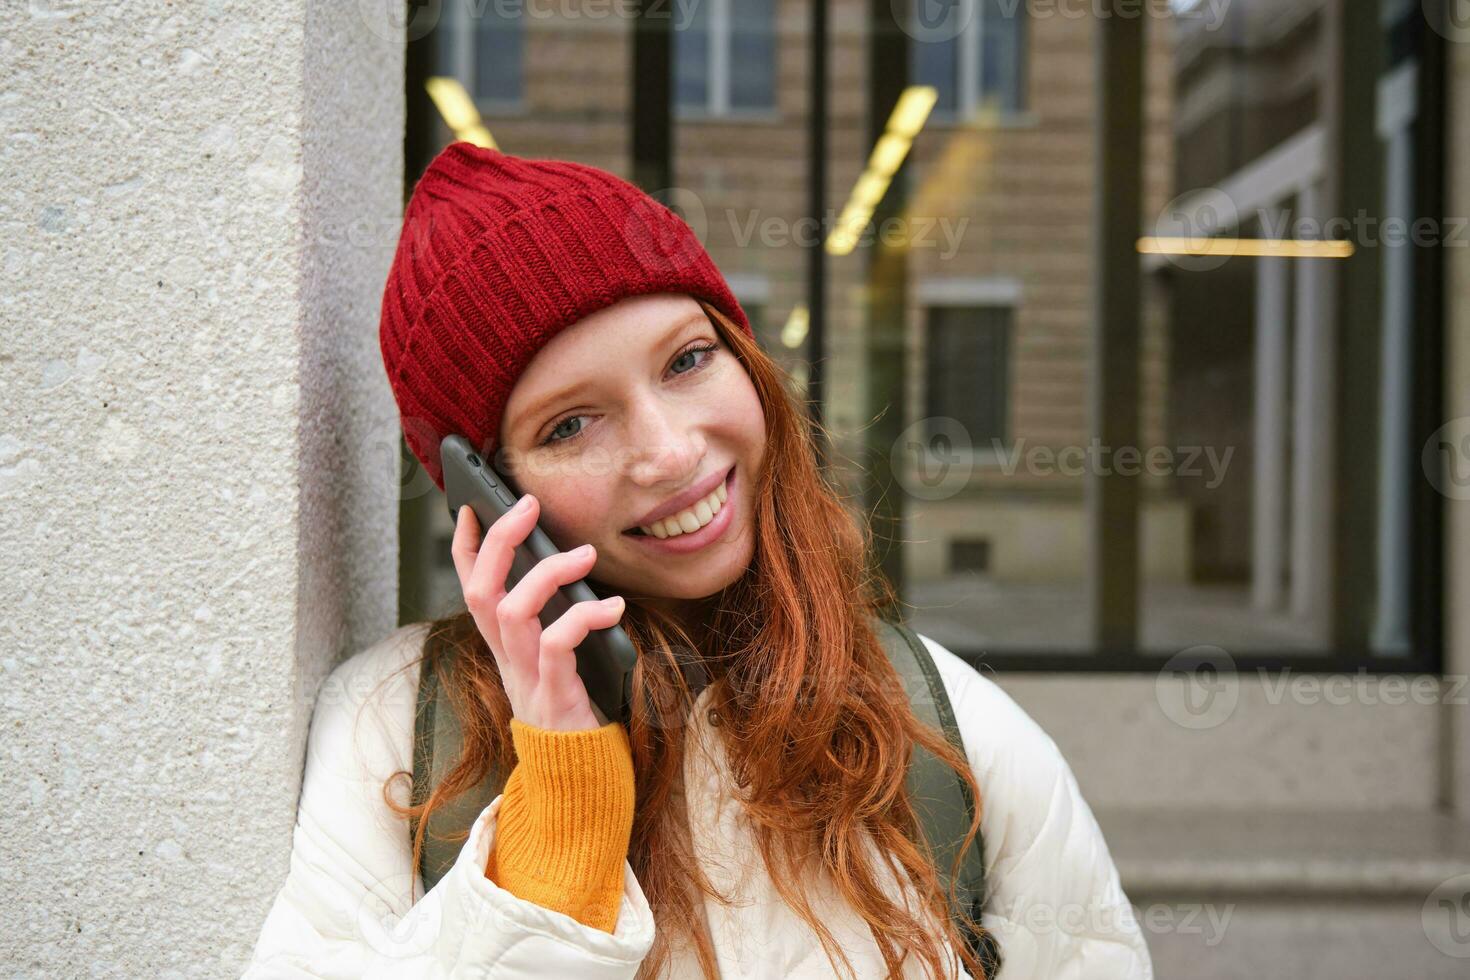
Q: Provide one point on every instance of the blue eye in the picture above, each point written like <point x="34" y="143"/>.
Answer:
<point x="551" y="437"/>
<point x="687" y="353"/>
<point x="699" y="349"/>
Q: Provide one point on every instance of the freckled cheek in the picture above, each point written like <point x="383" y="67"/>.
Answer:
<point x="573" y="518"/>
<point x="744" y="415"/>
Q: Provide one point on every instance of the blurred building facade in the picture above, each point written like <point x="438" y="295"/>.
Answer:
<point x="1253" y="651"/>
<point x="1284" y="525"/>
<point x="996" y="229"/>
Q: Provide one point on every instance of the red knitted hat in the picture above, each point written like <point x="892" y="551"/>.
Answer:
<point x="497" y="254"/>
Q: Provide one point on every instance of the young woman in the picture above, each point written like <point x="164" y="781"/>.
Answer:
<point x="751" y="819"/>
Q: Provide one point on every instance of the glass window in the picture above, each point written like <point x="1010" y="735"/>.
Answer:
<point x="692" y="58"/>
<point x="936" y="62"/>
<point x="725" y="57"/>
<point x="753" y="55"/>
<point x="972" y="52"/>
<point x="1002" y="54"/>
<point x="1275" y="407"/>
<point x="497" y="51"/>
<point x="1246" y="547"/>
<point x="966" y="369"/>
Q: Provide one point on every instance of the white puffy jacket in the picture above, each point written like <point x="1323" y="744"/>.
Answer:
<point x="1056" y="904"/>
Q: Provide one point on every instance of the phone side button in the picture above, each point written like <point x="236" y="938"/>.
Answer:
<point x="505" y="498"/>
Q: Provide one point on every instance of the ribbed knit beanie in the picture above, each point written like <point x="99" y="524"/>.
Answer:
<point x="497" y="255"/>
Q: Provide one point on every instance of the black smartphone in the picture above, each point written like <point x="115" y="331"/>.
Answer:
<point x="605" y="660"/>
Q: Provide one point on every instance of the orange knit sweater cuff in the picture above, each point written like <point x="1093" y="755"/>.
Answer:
<point x="565" y="821"/>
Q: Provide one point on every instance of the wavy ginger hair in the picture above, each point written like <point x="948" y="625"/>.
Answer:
<point x="817" y="725"/>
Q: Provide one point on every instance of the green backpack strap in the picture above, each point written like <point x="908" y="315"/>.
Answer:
<point x="436" y="748"/>
<point x="943" y="800"/>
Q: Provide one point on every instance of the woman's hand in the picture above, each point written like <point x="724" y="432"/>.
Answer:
<point x="538" y="667"/>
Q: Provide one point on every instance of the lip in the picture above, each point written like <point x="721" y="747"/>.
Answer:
<point x="686" y="499"/>
<point x="683" y="544"/>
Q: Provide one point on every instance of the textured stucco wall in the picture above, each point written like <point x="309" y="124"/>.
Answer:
<point x="198" y="454"/>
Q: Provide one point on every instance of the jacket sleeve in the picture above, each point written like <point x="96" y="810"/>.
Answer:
<point x="353" y="905"/>
<point x="1055" y="901"/>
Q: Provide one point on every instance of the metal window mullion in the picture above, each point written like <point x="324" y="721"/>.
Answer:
<point x="719" y="57"/>
<point x="816" y="342"/>
<point x="465" y="39"/>
<point x="1113" y="569"/>
<point x="971" y="46"/>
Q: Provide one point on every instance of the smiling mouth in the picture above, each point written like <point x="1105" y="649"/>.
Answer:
<point x="640" y="532"/>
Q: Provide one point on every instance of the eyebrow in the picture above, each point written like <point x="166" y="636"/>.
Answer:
<point x="541" y="406"/>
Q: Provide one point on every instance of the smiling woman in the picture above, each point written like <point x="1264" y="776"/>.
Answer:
<point x="623" y="425"/>
<point x="755" y="816"/>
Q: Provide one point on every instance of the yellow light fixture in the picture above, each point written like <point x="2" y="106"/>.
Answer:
<point x="904" y="123"/>
<point x="912" y="110"/>
<point x="869" y="190"/>
<point x="794" y="331"/>
<point x="1302" y="248"/>
<point x="888" y="153"/>
<point x="459" y="110"/>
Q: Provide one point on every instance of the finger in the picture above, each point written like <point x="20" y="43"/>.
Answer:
<point x="519" y="612"/>
<point x="530" y="595"/>
<point x="465" y="548"/>
<point x="484" y="584"/>
<point x="465" y="543"/>
<point x="498" y="551"/>
<point x="559" y="641"/>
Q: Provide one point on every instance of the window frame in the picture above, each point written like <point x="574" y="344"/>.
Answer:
<point x="717" y="105"/>
<point x="465" y="38"/>
<point x="1001" y="292"/>
<point x="969" y="51"/>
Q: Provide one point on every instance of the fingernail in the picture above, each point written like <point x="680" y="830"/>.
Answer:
<point x="583" y="551"/>
<point x="523" y="504"/>
<point x="613" y="602"/>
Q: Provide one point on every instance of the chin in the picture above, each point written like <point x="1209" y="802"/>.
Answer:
<point x="699" y="586"/>
<point x="699" y="583"/>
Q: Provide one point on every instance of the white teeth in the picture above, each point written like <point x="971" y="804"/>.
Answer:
<point x="691" y="519"/>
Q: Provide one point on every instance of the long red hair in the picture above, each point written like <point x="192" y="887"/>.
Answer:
<point x="817" y="726"/>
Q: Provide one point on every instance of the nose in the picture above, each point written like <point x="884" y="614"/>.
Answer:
<point x="666" y="446"/>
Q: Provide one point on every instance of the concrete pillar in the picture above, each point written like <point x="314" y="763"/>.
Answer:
<point x="198" y="459"/>
<point x="1269" y="487"/>
<point x="1312" y="489"/>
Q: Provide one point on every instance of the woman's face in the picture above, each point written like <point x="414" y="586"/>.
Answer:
<point x="627" y="410"/>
